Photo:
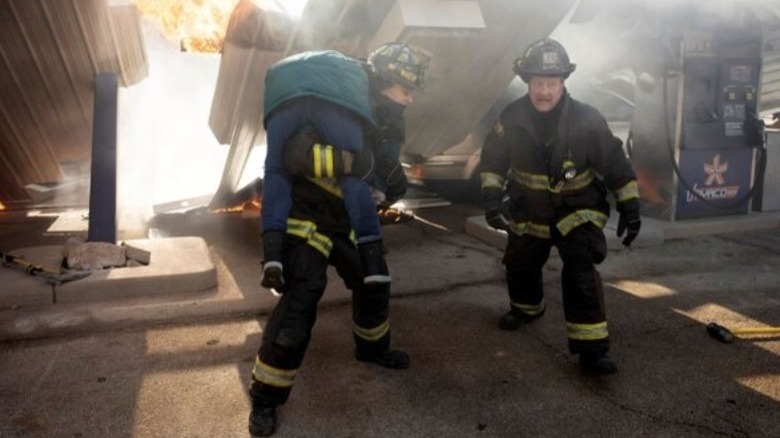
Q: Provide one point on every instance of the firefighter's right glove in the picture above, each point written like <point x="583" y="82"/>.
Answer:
<point x="496" y="220"/>
<point x="629" y="221"/>
<point x="491" y="199"/>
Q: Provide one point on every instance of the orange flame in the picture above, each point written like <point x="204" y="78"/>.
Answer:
<point x="2" y="207"/>
<point x="254" y="204"/>
<point x="197" y="25"/>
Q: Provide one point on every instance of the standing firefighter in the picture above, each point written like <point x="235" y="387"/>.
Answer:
<point x="555" y="159"/>
<point x="319" y="233"/>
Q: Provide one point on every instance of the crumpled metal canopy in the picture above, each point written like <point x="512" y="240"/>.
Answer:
<point x="50" y="51"/>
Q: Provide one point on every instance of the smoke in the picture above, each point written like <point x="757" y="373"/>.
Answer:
<point x="643" y="35"/>
<point x="166" y="151"/>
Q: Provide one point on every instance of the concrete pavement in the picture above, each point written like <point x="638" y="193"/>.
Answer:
<point x="178" y="366"/>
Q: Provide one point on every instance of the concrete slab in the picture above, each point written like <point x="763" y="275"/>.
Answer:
<point x="178" y="264"/>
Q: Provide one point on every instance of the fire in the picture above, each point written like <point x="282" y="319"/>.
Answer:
<point x="253" y="204"/>
<point x="392" y="215"/>
<point x="197" y="25"/>
<point x="2" y="207"/>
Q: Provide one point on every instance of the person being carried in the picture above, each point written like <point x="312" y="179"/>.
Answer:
<point x="336" y="100"/>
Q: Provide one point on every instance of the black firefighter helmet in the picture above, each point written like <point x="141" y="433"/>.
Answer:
<point x="544" y="57"/>
<point x="401" y="63"/>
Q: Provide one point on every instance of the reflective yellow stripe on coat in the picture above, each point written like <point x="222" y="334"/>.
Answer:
<point x="530" y="228"/>
<point x="541" y="182"/>
<point x="323" y="160"/>
<point x="330" y="185"/>
<point x="532" y="181"/>
<point x="307" y="230"/>
<point x="628" y="191"/>
<point x="491" y="180"/>
<point x="580" y="217"/>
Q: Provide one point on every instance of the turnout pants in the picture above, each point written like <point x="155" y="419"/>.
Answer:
<point x="583" y="298"/>
<point x="288" y="330"/>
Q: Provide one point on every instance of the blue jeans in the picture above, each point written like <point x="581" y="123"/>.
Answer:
<point x="338" y="127"/>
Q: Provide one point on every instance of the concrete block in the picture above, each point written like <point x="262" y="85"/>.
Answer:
<point x="90" y="256"/>
<point x="134" y="253"/>
<point x="177" y="265"/>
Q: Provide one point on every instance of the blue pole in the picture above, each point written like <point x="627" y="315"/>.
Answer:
<point x="102" y="191"/>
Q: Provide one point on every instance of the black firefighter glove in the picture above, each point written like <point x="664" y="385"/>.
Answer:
<point x="629" y="222"/>
<point x="491" y="199"/>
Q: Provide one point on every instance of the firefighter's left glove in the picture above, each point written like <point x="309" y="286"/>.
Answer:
<point x="273" y="244"/>
<point x="629" y="222"/>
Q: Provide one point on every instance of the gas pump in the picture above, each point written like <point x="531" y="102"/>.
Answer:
<point x="718" y="119"/>
<point x="710" y="125"/>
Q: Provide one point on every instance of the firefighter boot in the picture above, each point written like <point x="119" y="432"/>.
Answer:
<point x="395" y="359"/>
<point x="273" y="241"/>
<point x="374" y="265"/>
<point x="512" y="320"/>
<point x="262" y="419"/>
<point x="597" y="364"/>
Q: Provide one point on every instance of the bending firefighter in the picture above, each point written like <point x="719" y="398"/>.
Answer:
<point x="555" y="159"/>
<point x="327" y="96"/>
<point x="319" y="233"/>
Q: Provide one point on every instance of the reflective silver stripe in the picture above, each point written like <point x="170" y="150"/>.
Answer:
<point x="532" y="181"/>
<point x="580" y="217"/>
<point x="587" y="332"/>
<point x="273" y="376"/>
<point x="530" y="228"/>
<point x="491" y="180"/>
<point x="529" y="309"/>
<point x="307" y="230"/>
<point x="628" y="191"/>
<point x="373" y="334"/>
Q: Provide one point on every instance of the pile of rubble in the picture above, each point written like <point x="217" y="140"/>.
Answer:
<point x="89" y="256"/>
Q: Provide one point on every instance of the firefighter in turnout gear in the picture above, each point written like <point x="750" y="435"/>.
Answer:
<point x="339" y="99"/>
<point x="548" y="165"/>
<point x="319" y="232"/>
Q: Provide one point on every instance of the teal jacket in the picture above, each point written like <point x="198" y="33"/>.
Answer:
<point x="328" y="75"/>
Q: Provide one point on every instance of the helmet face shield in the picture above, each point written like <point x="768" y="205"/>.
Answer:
<point x="545" y="57"/>
<point x="401" y="63"/>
